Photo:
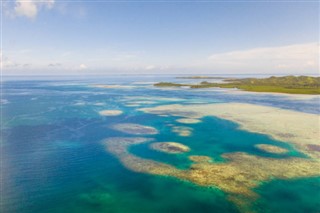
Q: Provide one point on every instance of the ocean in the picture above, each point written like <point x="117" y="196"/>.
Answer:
<point x="53" y="156"/>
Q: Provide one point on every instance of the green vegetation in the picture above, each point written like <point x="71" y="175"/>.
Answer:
<point x="286" y="84"/>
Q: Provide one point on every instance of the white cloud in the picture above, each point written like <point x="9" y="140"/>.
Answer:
<point x="292" y="58"/>
<point x="150" y="67"/>
<point x="31" y="8"/>
<point x="83" y="67"/>
<point x="5" y="62"/>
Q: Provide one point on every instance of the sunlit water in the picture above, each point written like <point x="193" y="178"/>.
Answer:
<point x="52" y="158"/>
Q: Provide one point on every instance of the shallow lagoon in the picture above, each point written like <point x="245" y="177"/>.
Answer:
<point x="53" y="159"/>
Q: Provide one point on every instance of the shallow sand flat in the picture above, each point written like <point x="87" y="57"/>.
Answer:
<point x="271" y="148"/>
<point x="182" y="131"/>
<point x="135" y="129"/>
<point x="276" y="94"/>
<point x="132" y="105"/>
<point x="298" y="128"/>
<point x="151" y="98"/>
<point x="170" y="147"/>
<point x="142" y="102"/>
<point x="110" y="112"/>
<point x="188" y="120"/>
<point x="112" y="86"/>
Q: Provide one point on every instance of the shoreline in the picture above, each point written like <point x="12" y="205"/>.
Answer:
<point x="285" y="84"/>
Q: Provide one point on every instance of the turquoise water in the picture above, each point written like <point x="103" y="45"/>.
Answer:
<point x="52" y="158"/>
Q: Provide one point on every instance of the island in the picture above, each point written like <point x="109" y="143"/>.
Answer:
<point x="285" y="84"/>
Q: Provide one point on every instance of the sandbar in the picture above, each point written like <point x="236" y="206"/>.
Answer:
<point x="110" y="112"/>
<point x="170" y="147"/>
<point x="271" y="148"/>
<point x="188" y="120"/>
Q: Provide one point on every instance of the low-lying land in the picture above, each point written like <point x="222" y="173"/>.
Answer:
<point x="286" y="84"/>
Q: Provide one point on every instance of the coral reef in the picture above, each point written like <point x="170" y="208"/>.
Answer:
<point x="241" y="172"/>
<point x="182" y="130"/>
<point x="237" y="176"/>
<point x="298" y="128"/>
<point x="271" y="148"/>
<point x="135" y="129"/>
<point x="188" y="120"/>
<point x="200" y="159"/>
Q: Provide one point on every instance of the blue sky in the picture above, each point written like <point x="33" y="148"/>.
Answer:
<point x="107" y="37"/>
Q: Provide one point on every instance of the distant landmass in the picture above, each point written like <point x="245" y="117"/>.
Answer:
<point x="200" y="77"/>
<point x="285" y="84"/>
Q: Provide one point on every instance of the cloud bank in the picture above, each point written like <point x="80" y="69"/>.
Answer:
<point x="297" y="59"/>
<point x="303" y="58"/>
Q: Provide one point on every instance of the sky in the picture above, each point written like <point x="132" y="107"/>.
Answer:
<point x="55" y="37"/>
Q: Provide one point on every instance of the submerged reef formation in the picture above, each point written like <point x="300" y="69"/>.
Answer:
<point x="237" y="176"/>
<point x="151" y="98"/>
<point x="96" y="198"/>
<point x="188" y="120"/>
<point x="271" y="148"/>
<point x="182" y="130"/>
<point x="170" y="147"/>
<point x="200" y="158"/>
<point x="314" y="147"/>
<point x="135" y="129"/>
<point x="300" y="129"/>
<point x="112" y="86"/>
<point x="241" y="172"/>
<point x="110" y="112"/>
<point x="118" y="146"/>
<point x="143" y="102"/>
